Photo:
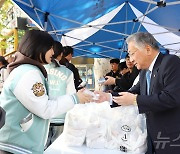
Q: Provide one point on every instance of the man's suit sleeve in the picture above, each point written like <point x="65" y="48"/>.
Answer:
<point x="2" y="117"/>
<point x="135" y="89"/>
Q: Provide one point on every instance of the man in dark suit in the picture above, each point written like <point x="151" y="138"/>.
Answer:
<point x="161" y="101"/>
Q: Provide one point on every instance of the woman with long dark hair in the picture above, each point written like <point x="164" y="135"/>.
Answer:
<point x="24" y="97"/>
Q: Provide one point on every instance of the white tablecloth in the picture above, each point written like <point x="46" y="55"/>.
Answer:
<point x="60" y="148"/>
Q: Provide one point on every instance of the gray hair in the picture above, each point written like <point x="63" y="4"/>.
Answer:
<point x="143" y="38"/>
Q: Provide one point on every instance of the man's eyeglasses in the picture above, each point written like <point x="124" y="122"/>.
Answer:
<point x="132" y="53"/>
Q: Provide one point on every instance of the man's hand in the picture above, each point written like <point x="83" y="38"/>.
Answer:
<point x="109" y="80"/>
<point x="125" y="99"/>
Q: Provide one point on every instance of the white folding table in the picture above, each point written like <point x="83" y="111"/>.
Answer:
<point x="60" y="148"/>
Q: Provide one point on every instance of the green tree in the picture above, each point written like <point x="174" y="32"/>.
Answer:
<point x="3" y="18"/>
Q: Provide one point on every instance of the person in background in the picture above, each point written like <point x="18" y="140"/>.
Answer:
<point x="123" y="69"/>
<point x="24" y="97"/>
<point x="67" y="57"/>
<point x="2" y="117"/>
<point x="10" y="59"/>
<point x="3" y="62"/>
<point x="3" y="76"/>
<point x="156" y="94"/>
<point x="3" y="71"/>
<point x="126" y="81"/>
<point x="113" y="73"/>
<point x="60" y="82"/>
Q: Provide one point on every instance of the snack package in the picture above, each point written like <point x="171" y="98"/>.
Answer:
<point x="121" y="128"/>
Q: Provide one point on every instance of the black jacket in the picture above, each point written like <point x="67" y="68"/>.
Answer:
<point x="2" y="117"/>
<point x="126" y="81"/>
<point x="114" y="75"/>
<point x="77" y="79"/>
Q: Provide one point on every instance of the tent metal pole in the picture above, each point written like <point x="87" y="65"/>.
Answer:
<point x="90" y="42"/>
<point x="173" y="3"/>
<point x="147" y="12"/>
<point x="144" y="17"/>
<point x="177" y="30"/>
<point x="87" y="26"/>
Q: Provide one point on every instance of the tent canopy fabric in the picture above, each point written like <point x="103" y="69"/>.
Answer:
<point x="99" y="28"/>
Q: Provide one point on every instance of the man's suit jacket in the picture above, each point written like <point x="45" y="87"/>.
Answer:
<point x="162" y="106"/>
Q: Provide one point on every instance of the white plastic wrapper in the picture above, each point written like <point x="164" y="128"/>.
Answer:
<point x="121" y="128"/>
<point x="76" y="124"/>
<point x="95" y="96"/>
<point x="127" y="130"/>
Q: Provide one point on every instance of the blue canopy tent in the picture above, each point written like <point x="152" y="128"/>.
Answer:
<point x="99" y="28"/>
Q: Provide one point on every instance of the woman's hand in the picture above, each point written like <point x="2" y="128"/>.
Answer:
<point x="84" y="97"/>
<point x="103" y="96"/>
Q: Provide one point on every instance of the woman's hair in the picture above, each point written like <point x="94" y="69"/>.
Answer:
<point x="66" y="51"/>
<point x="58" y="49"/>
<point x="3" y="61"/>
<point x="35" y="44"/>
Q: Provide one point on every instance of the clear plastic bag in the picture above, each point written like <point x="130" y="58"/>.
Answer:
<point x="121" y="128"/>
